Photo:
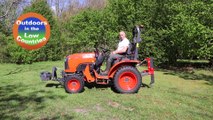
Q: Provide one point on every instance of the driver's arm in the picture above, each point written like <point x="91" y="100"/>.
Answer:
<point x="123" y="50"/>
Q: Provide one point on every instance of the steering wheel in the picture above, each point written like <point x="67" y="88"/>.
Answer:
<point x="96" y="52"/>
<point x="104" y="50"/>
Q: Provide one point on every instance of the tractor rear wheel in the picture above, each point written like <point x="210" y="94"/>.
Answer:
<point x="74" y="84"/>
<point x="127" y="80"/>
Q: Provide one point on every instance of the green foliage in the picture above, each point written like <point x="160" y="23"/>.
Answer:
<point x="184" y="29"/>
<point x="102" y="27"/>
<point x="83" y="31"/>
<point x="174" y="30"/>
<point x="3" y="44"/>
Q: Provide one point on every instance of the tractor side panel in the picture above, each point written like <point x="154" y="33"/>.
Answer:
<point x="73" y="61"/>
<point x="87" y="73"/>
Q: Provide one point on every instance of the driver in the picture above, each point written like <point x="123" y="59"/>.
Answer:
<point x="119" y="52"/>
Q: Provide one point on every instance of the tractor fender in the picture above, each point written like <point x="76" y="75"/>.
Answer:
<point x="115" y="67"/>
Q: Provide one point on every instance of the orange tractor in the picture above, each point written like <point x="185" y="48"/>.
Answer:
<point x="85" y="68"/>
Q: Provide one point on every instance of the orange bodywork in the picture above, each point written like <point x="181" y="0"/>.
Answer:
<point x="115" y="67"/>
<point x="88" y="75"/>
<point x="87" y="59"/>
<point x="80" y="58"/>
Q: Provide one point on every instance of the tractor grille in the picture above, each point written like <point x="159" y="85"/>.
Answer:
<point x="66" y="63"/>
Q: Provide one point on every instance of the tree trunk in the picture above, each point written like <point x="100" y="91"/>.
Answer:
<point x="211" y="62"/>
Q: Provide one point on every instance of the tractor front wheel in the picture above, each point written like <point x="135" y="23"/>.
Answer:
<point x="74" y="84"/>
<point x="127" y="80"/>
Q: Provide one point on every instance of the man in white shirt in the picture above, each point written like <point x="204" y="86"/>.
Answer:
<point x="118" y="53"/>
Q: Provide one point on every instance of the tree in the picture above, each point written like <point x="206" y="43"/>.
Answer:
<point x="9" y="11"/>
<point x="184" y="29"/>
<point x="7" y="16"/>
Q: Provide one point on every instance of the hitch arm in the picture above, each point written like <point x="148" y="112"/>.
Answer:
<point x="150" y="70"/>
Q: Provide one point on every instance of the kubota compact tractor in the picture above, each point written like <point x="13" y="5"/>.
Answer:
<point x="84" y="68"/>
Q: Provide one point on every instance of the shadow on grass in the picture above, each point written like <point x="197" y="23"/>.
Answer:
<point x="191" y="76"/>
<point x="14" y="71"/>
<point x="15" y="99"/>
<point x="111" y="86"/>
<point x="56" y="85"/>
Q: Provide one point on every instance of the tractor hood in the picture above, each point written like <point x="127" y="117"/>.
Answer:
<point x="73" y="61"/>
<point x="82" y="56"/>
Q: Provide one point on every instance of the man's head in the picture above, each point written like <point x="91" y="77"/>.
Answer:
<point x="122" y="35"/>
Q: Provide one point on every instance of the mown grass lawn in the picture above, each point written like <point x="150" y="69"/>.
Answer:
<point x="175" y="95"/>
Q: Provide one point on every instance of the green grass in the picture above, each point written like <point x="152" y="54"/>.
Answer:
<point x="192" y="61"/>
<point x="175" y="95"/>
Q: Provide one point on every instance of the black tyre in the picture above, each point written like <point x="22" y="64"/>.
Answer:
<point x="127" y="80"/>
<point x="74" y="84"/>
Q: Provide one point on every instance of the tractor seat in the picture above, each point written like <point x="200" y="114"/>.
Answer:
<point x="129" y="55"/>
<point x="130" y="51"/>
